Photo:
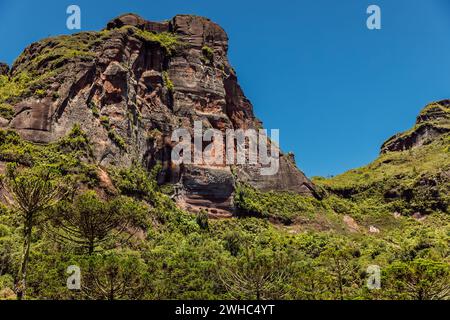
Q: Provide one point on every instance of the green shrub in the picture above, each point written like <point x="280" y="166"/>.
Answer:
<point x="134" y="181"/>
<point x="208" y="53"/>
<point x="40" y="93"/>
<point x="95" y="110"/>
<point x="167" y="82"/>
<point x="76" y="141"/>
<point x="104" y="120"/>
<point x="6" y="111"/>
<point x="55" y="52"/>
<point x="117" y="139"/>
<point x="166" y="40"/>
<point x="15" y="87"/>
<point x="9" y="137"/>
<point x="202" y="220"/>
<point x="283" y="206"/>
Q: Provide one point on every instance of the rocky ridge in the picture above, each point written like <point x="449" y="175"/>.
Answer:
<point x="432" y="122"/>
<point x="411" y="175"/>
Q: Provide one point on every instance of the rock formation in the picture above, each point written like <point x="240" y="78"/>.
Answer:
<point x="432" y="122"/>
<point x="129" y="86"/>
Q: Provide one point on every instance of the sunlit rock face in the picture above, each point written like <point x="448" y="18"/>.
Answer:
<point x="129" y="86"/>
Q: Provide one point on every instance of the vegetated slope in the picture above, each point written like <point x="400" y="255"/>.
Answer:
<point x="123" y="228"/>
<point x="412" y="174"/>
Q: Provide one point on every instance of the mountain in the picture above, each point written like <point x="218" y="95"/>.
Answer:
<point x="128" y="87"/>
<point x="88" y="184"/>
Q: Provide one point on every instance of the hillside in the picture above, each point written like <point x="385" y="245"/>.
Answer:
<point x="412" y="174"/>
<point x="87" y="180"/>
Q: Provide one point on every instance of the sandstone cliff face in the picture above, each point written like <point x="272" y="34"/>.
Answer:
<point x="129" y="86"/>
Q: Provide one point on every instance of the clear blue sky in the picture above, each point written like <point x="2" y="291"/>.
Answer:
<point x="311" y="67"/>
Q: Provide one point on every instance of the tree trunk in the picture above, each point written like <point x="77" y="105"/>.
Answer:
<point x="91" y="247"/>
<point x="340" y="280"/>
<point x="22" y="277"/>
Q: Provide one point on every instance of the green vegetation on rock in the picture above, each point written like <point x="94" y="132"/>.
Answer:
<point x="167" y="82"/>
<point x="6" y="111"/>
<point x="405" y="181"/>
<point x="208" y="54"/>
<point x="14" y="87"/>
<point x="117" y="139"/>
<point x="168" y="41"/>
<point x="284" y="207"/>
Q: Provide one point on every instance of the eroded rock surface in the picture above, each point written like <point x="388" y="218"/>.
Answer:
<point x="129" y="87"/>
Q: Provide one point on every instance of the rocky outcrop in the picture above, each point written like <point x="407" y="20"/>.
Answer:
<point x="130" y="85"/>
<point x="433" y="121"/>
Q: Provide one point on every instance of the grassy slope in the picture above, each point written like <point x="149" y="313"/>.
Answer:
<point x="416" y="180"/>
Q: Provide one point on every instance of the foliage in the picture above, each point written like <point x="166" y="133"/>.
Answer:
<point x="55" y="52"/>
<point x="33" y="72"/>
<point x="208" y="53"/>
<point x="88" y="222"/>
<point x="6" y="111"/>
<point x="117" y="139"/>
<point x="202" y="220"/>
<point x="114" y="275"/>
<point x="259" y="274"/>
<point x="40" y="93"/>
<point x="285" y="207"/>
<point x="420" y="279"/>
<point x="13" y="88"/>
<point x="133" y="242"/>
<point x="95" y="110"/>
<point x="134" y="181"/>
<point x="104" y="120"/>
<point x="407" y="181"/>
<point x="167" y="82"/>
<point x="76" y="142"/>
<point x="168" y="41"/>
<point x="33" y="191"/>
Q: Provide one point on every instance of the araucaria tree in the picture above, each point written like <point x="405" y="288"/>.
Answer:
<point x="114" y="275"/>
<point x="32" y="191"/>
<point x="259" y="274"/>
<point x="89" y="221"/>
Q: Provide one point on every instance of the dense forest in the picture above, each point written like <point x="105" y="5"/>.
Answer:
<point x="132" y="242"/>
